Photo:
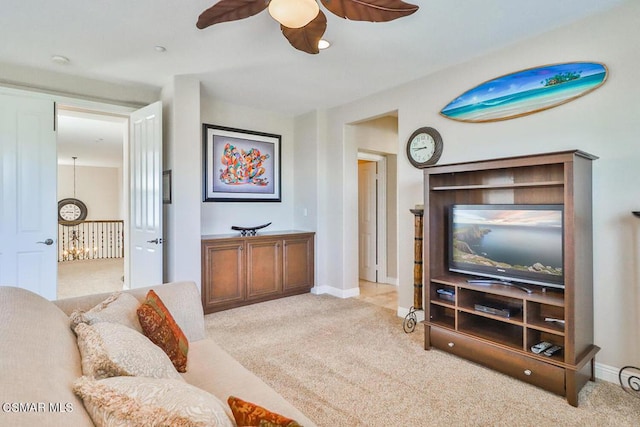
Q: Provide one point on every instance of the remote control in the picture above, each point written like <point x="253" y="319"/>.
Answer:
<point x="540" y="347"/>
<point x="553" y="350"/>
<point x="445" y="292"/>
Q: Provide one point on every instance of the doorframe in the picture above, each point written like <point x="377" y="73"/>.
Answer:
<point x="95" y="105"/>
<point x="381" y="211"/>
<point x="101" y="109"/>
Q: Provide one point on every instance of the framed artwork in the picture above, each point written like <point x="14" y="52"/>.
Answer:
<point x="240" y="165"/>
<point x="166" y="187"/>
<point x="526" y="92"/>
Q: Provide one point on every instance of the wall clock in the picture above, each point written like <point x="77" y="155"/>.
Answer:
<point x="71" y="210"/>
<point x="424" y="147"/>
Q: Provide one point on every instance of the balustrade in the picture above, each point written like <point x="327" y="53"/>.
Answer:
<point x="90" y="240"/>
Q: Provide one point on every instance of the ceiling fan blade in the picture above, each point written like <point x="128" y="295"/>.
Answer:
<point x="230" y="10"/>
<point x="306" y="38"/>
<point x="370" y="10"/>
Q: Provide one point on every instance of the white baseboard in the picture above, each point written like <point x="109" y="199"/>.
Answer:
<point x="609" y="373"/>
<point x="339" y="293"/>
<point x="391" y="281"/>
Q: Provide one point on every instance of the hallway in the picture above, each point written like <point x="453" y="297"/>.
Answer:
<point x="380" y="294"/>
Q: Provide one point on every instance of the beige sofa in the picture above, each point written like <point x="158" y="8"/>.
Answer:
<point x="40" y="360"/>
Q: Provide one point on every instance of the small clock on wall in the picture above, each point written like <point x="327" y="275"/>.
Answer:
<point x="70" y="210"/>
<point x="424" y="147"/>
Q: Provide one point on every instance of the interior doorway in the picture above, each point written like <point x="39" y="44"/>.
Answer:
<point x="91" y="158"/>
<point x="368" y="220"/>
<point x="373" y="223"/>
<point x="372" y="218"/>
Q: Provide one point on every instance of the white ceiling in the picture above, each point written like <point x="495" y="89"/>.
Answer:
<point x="96" y="140"/>
<point x="249" y="62"/>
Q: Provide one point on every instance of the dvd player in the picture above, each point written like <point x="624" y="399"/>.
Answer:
<point x="496" y="310"/>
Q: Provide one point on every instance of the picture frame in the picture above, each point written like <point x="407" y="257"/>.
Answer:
<point x="166" y="187"/>
<point x="240" y="165"/>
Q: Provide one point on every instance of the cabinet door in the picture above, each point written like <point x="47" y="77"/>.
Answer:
<point x="223" y="274"/>
<point x="264" y="273"/>
<point x="298" y="263"/>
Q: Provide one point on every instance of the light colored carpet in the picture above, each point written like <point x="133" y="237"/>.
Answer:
<point x="91" y="276"/>
<point x="344" y="362"/>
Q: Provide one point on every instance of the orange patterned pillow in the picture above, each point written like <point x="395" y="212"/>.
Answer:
<point x="250" y="414"/>
<point x="160" y="327"/>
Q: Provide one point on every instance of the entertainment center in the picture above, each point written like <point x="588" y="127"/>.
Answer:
<point x="533" y="321"/>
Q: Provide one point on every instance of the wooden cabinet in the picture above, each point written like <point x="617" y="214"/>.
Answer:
<point x="456" y="325"/>
<point x="263" y="268"/>
<point x="243" y="270"/>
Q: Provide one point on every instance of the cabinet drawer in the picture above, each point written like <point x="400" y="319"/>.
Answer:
<point x="544" y="375"/>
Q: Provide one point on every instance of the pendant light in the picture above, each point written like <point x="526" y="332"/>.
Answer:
<point x="74" y="176"/>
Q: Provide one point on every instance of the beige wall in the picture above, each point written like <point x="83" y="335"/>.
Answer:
<point x="219" y="217"/>
<point x="181" y="155"/>
<point x="605" y="123"/>
<point x="99" y="188"/>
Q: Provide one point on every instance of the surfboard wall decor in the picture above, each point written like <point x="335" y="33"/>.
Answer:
<point x="526" y="92"/>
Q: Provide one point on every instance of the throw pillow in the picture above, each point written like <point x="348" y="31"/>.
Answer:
<point x="250" y="414"/>
<point x="137" y="401"/>
<point x="160" y="327"/>
<point x="111" y="349"/>
<point x="120" y="308"/>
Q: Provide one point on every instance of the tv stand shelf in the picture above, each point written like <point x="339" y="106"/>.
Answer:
<point x="496" y="324"/>
<point x="498" y="186"/>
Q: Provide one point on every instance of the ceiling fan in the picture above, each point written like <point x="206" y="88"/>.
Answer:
<point x="301" y="21"/>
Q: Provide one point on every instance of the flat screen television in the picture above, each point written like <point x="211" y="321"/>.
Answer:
<point x="508" y="243"/>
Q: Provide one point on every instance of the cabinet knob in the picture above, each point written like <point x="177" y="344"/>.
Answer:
<point x="527" y="372"/>
<point x="451" y="344"/>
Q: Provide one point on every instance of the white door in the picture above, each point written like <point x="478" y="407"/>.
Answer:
<point x="367" y="224"/>
<point x="145" y="212"/>
<point x="28" y="174"/>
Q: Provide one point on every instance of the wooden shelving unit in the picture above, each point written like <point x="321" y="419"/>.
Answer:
<point x="503" y="343"/>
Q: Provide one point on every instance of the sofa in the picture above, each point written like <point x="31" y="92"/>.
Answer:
<point x="41" y="364"/>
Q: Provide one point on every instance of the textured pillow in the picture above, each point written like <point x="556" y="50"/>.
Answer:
<point x="111" y="350"/>
<point x="250" y="414"/>
<point x="160" y="327"/>
<point x="265" y="423"/>
<point x="137" y="401"/>
<point x="118" y="308"/>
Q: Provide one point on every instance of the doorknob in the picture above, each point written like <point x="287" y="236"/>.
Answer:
<point x="156" y="241"/>
<point x="47" y="242"/>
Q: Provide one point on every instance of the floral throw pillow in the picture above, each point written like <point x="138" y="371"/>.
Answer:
<point x="139" y="401"/>
<point x="249" y="414"/>
<point x="160" y="327"/>
<point x="119" y="307"/>
<point x="111" y="350"/>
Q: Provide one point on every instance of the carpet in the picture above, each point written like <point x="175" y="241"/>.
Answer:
<point x="89" y="276"/>
<point x="345" y="362"/>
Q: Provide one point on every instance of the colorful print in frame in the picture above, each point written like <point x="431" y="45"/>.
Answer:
<point x="240" y="165"/>
<point x="526" y="92"/>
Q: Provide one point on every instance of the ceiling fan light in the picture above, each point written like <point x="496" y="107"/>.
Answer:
<point x="324" y="44"/>
<point x="293" y="13"/>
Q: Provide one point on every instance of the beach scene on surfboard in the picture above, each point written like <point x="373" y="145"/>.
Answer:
<point x="526" y="92"/>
